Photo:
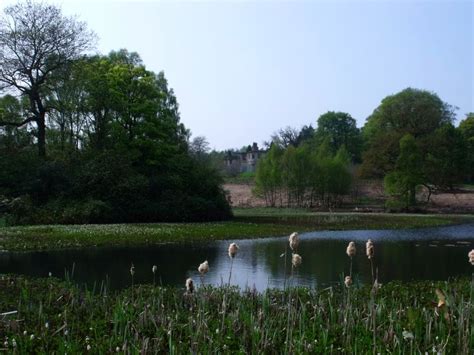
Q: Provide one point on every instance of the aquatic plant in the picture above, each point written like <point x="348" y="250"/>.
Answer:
<point x="296" y="260"/>
<point x="151" y="319"/>
<point x="294" y="242"/>
<point x="351" y="252"/>
<point x="233" y="248"/>
<point x="203" y="269"/>
<point x="189" y="285"/>
<point x="232" y="251"/>
<point x="370" y="252"/>
<point x="348" y="281"/>
<point x="154" y="269"/>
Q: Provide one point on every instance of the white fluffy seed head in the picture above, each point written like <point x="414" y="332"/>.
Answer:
<point x="132" y="270"/>
<point x="351" y="249"/>
<point x="154" y="269"/>
<point x="296" y="260"/>
<point x="203" y="268"/>
<point x="190" y="285"/>
<point x="233" y="250"/>
<point x="348" y="281"/>
<point x="471" y="256"/>
<point x="294" y="241"/>
<point x="369" y="249"/>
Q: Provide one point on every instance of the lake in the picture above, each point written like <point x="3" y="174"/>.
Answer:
<point x="416" y="254"/>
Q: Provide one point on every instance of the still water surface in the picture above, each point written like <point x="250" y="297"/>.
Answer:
<point x="417" y="254"/>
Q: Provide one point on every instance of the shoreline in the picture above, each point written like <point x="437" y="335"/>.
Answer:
<point x="247" y="224"/>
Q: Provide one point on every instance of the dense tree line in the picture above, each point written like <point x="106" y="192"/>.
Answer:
<point x="92" y="138"/>
<point x="409" y="140"/>
<point x="303" y="177"/>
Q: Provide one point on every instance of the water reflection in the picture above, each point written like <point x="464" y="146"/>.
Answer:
<point x="435" y="253"/>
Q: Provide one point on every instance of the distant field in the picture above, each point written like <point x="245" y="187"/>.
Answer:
<point x="370" y="195"/>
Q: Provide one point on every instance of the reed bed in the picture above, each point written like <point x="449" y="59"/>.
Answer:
<point x="50" y="315"/>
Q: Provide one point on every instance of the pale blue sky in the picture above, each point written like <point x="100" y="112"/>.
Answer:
<point x="242" y="70"/>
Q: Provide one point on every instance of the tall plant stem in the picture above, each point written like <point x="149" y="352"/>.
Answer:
<point x="350" y="269"/>
<point x="230" y="273"/>
<point x="372" y="270"/>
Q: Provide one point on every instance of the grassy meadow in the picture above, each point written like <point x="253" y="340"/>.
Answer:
<point x="49" y="315"/>
<point x="247" y="223"/>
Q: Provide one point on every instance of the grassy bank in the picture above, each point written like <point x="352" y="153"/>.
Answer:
<point x="250" y="223"/>
<point x="345" y="221"/>
<point x="53" y="316"/>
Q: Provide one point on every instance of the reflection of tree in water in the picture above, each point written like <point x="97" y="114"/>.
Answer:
<point x="324" y="262"/>
<point x="113" y="264"/>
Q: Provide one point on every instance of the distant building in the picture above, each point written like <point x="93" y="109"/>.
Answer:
<point x="242" y="162"/>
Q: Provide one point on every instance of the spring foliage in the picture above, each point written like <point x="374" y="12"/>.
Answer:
<point x="303" y="177"/>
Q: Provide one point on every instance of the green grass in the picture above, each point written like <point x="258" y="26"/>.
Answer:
<point x="57" y="317"/>
<point x="249" y="223"/>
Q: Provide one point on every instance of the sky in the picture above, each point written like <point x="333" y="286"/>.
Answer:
<point x="241" y="70"/>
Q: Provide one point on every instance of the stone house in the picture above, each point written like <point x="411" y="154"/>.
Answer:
<point x="242" y="162"/>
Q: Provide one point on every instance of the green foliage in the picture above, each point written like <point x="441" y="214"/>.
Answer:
<point x="302" y="177"/>
<point x="416" y="112"/>
<point x="466" y="128"/>
<point x="57" y="316"/>
<point x="408" y="174"/>
<point x="339" y="129"/>
<point x="118" y="152"/>
<point x="446" y="162"/>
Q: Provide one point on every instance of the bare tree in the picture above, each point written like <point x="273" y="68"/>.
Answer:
<point x="36" y="41"/>
<point x="285" y="137"/>
<point x="199" y="146"/>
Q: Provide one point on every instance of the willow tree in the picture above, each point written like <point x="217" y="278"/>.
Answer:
<point x="36" y="42"/>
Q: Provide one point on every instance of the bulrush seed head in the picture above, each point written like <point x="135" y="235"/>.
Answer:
<point x="132" y="270"/>
<point x="190" y="285"/>
<point x="203" y="268"/>
<point x="233" y="250"/>
<point x="369" y="249"/>
<point x="348" y="281"/>
<point x="154" y="269"/>
<point x="351" y="249"/>
<point x="471" y="256"/>
<point x="296" y="260"/>
<point x="294" y="241"/>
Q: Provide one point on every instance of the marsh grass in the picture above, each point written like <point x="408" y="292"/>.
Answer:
<point x="226" y="319"/>
<point x="251" y="223"/>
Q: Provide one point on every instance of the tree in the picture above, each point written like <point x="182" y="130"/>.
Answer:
<point x="466" y="128"/>
<point x="199" y="146"/>
<point x="36" y="42"/>
<point x="12" y="110"/>
<point x="408" y="174"/>
<point x="285" y="137"/>
<point x="306" y="134"/>
<point x="445" y="162"/>
<point x="340" y="129"/>
<point x="268" y="177"/>
<point x="416" y="112"/>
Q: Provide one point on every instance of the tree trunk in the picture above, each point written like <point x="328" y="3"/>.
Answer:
<point x="41" y="134"/>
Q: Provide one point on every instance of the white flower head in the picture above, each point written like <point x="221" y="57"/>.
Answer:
<point x="294" y="241"/>
<point x="351" y="249"/>
<point x="203" y="268"/>
<point x="471" y="256"/>
<point x="296" y="260"/>
<point x="233" y="250"/>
